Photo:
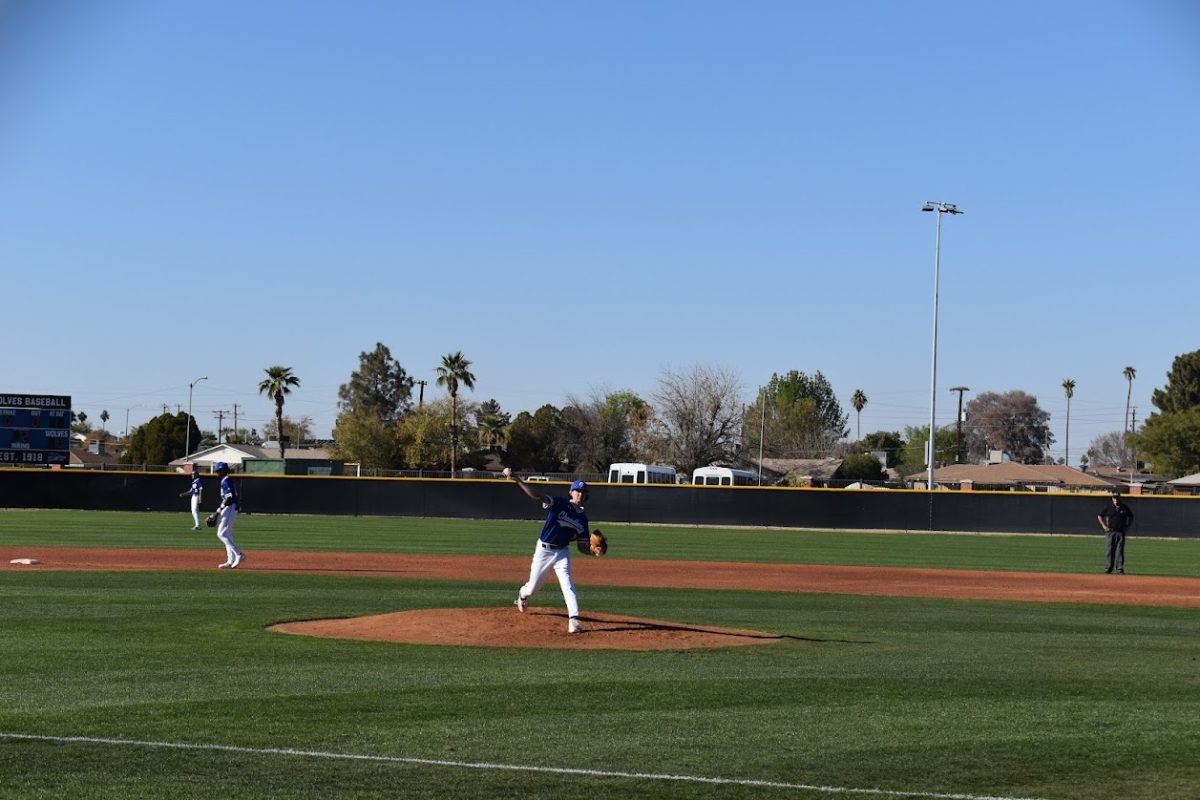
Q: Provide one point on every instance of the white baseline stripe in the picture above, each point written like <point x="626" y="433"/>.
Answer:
<point x="434" y="762"/>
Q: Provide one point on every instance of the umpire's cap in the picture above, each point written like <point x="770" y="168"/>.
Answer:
<point x="579" y="486"/>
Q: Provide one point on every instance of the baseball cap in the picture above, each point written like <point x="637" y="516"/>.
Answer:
<point x="579" y="486"/>
<point x="220" y="465"/>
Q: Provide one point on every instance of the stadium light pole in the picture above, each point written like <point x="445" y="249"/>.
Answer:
<point x="940" y="208"/>
<point x="187" y="456"/>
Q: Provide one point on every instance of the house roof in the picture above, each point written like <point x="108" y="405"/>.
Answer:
<point x="1186" y="480"/>
<point x="88" y="458"/>
<point x="237" y="453"/>
<point x="1011" y="472"/>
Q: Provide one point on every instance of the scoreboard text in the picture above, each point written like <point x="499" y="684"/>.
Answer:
<point x="35" y="429"/>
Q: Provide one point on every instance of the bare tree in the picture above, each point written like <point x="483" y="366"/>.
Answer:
<point x="1108" y="450"/>
<point x="697" y="416"/>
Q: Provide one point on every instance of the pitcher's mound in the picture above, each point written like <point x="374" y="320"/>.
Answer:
<point x="506" y="627"/>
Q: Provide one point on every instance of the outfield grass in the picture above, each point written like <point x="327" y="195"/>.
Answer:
<point x="899" y="694"/>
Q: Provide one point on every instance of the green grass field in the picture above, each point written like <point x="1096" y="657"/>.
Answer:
<point x="152" y="685"/>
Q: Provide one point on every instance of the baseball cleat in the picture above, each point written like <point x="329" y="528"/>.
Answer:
<point x="520" y="604"/>
<point x="226" y="565"/>
<point x="238" y="559"/>
<point x="573" y="625"/>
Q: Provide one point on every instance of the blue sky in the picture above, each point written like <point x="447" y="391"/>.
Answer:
<point x="581" y="195"/>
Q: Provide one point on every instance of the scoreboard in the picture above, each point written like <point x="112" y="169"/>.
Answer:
<point x="35" y="429"/>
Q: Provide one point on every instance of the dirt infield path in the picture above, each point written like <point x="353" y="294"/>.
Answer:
<point x="1131" y="590"/>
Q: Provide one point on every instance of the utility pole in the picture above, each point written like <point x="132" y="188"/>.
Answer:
<point x="421" y="398"/>
<point x="1133" y="454"/>
<point x="220" y="415"/>
<point x="958" y="454"/>
<point x="235" y="427"/>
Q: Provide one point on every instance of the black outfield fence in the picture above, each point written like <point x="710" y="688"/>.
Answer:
<point x="825" y="509"/>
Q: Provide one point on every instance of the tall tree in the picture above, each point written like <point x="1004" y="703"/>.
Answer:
<point x="912" y="459"/>
<point x="1170" y="439"/>
<point x="803" y="418"/>
<point x="104" y="418"/>
<point x="160" y="440"/>
<point x="277" y="385"/>
<point x="1171" y="442"/>
<point x="605" y="429"/>
<point x="455" y="370"/>
<point x="890" y="442"/>
<point x="1182" y="392"/>
<point x="492" y="422"/>
<point x="697" y="417"/>
<point x="533" y="441"/>
<point x="1010" y="421"/>
<point x="424" y="436"/>
<point x="377" y="396"/>
<point x="1068" y="385"/>
<point x="1130" y="373"/>
<point x="379" y="387"/>
<point x="859" y="401"/>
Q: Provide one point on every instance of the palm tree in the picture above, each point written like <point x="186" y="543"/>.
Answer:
<point x="1130" y="374"/>
<point x="455" y="369"/>
<point x="104" y="418"/>
<point x="858" y="401"/>
<point x="279" y="382"/>
<point x="1069" y="387"/>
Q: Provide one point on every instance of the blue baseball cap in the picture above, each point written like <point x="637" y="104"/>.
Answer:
<point x="579" y="486"/>
<point x="220" y="465"/>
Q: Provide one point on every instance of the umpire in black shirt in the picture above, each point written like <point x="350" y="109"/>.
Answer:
<point x="1115" y="518"/>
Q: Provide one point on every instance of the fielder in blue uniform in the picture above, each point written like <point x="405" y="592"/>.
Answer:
<point x="228" y="512"/>
<point x="566" y="522"/>
<point x="197" y="493"/>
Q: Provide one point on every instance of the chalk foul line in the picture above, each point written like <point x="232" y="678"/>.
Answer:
<point x="436" y="762"/>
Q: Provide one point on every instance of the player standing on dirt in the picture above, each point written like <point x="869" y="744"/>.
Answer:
<point x="566" y="522"/>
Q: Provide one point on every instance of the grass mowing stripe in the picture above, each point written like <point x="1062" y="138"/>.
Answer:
<point x="433" y="762"/>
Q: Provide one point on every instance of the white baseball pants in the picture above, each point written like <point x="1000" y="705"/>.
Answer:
<point x="225" y="533"/>
<point x="544" y="560"/>
<point x="196" y="509"/>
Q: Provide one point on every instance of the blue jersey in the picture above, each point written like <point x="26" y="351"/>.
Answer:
<point x="229" y="489"/>
<point x="197" y="487"/>
<point x="564" y="523"/>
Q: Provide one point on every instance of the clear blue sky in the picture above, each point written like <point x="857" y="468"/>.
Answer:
<point x="579" y="195"/>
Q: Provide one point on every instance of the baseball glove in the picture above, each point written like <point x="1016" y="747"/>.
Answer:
<point x="211" y="519"/>
<point x="599" y="543"/>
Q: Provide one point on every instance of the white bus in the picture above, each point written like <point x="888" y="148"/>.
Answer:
<point x="723" y="476"/>
<point x="640" y="473"/>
